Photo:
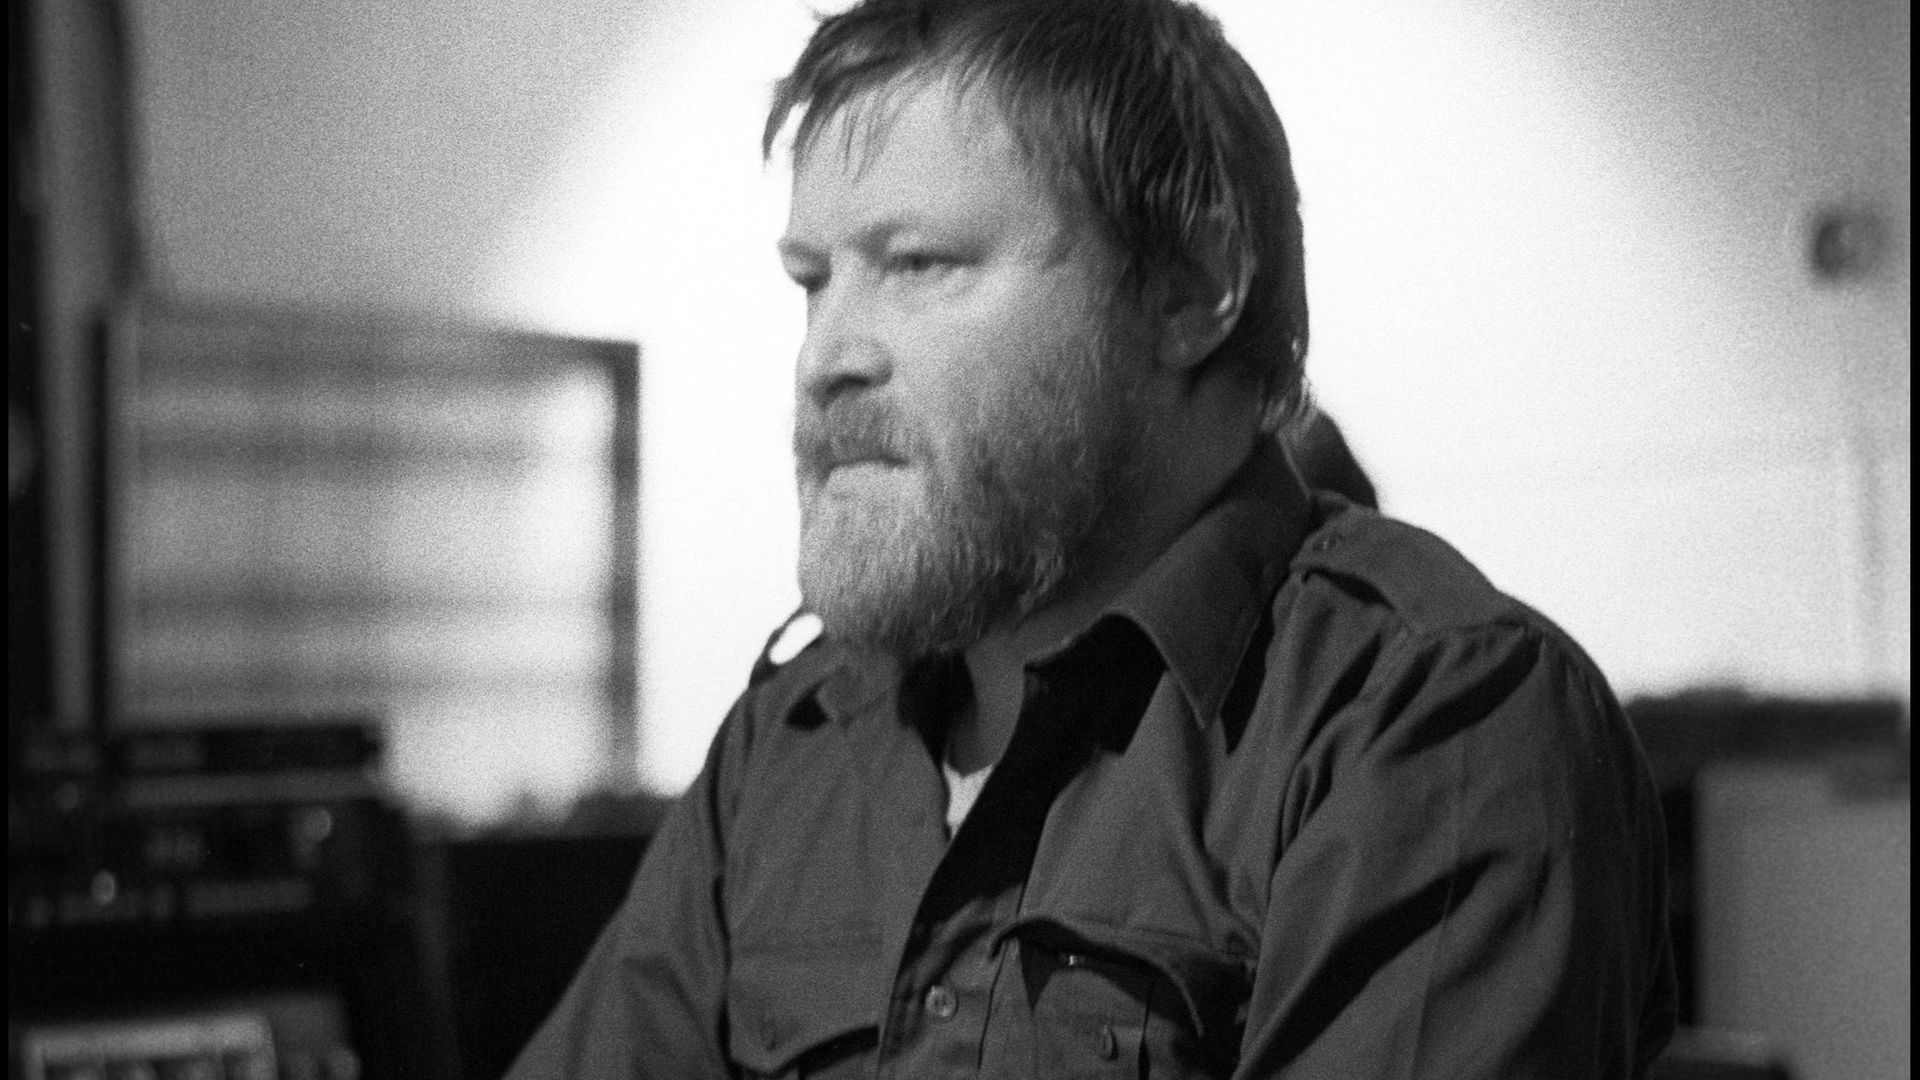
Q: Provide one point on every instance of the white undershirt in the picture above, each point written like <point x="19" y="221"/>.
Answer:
<point x="962" y="790"/>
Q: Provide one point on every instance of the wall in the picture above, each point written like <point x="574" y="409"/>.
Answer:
<point x="1561" y="301"/>
<point x="1561" y="290"/>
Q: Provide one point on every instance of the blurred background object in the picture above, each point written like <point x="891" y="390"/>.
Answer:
<point x="1790" y="855"/>
<point x="428" y="522"/>
<point x="231" y="901"/>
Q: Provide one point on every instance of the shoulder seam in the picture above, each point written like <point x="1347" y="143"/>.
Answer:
<point x="1422" y="579"/>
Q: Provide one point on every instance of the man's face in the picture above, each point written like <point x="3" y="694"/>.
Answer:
<point x="964" y="395"/>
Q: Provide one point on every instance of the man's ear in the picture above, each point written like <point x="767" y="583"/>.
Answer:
<point x="1200" y="299"/>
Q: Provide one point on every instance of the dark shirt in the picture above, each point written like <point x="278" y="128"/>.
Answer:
<point x="1310" y="799"/>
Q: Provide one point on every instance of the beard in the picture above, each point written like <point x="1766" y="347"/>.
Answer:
<point x="996" y="528"/>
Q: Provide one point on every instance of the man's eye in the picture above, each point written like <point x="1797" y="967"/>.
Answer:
<point x="919" y="262"/>
<point x="809" y="283"/>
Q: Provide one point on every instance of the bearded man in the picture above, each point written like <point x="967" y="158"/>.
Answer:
<point x="1117" y="753"/>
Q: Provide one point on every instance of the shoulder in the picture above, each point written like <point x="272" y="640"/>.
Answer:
<point x="1374" y="610"/>
<point x="1404" y="571"/>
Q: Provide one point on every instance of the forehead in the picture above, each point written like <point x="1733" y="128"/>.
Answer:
<point x="921" y="153"/>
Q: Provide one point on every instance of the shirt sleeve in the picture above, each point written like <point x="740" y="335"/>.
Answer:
<point x="1472" y="877"/>
<point x="647" y="1002"/>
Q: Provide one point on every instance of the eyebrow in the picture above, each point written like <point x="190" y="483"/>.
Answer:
<point x="870" y="237"/>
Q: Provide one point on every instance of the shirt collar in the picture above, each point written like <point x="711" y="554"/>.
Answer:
<point x="859" y="684"/>
<point x="1202" y="599"/>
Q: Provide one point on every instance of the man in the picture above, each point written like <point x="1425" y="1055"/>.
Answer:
<point x="1120" y="753"/>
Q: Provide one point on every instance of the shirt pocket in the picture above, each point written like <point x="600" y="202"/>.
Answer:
<point x="802" y="1014"/>
<point x="1108" y="1002"/>
<point x="1089" y="1013"/>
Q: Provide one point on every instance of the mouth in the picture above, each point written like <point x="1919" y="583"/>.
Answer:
<point x="871" y="459"/>
<point x="851" y="449"/>
<point x="855" y="474"/>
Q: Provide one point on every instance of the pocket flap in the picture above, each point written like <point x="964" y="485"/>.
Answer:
<point x="782" y="1005"/>
<point x="1211" y="988"/>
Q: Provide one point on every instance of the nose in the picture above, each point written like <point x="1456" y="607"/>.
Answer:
<point x="843" y="351"/>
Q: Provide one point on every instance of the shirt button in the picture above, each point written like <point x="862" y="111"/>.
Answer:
<point x="941" y="1003"/>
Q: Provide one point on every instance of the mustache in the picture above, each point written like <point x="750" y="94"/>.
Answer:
<point x="853" y="430"/>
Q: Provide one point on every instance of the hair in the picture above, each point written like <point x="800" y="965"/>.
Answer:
<point x="1137" y="109"/>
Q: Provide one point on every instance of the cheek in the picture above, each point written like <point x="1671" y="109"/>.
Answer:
<point x="982" y="359"/>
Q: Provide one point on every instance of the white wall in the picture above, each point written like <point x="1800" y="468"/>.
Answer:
<point x="1561" y="299"/>
<point x="1561" y="303"/>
